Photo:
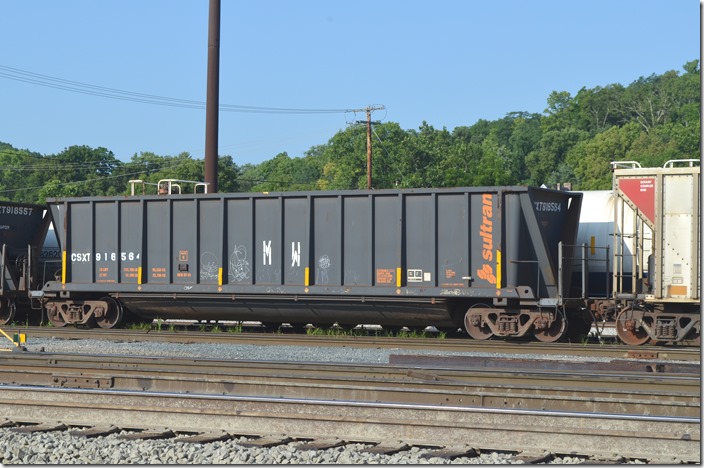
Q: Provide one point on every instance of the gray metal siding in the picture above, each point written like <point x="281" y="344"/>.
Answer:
<point x="158" y="252"/>
<point x="130" y="240"/>
<point x="239" y="269"/>
<point x="80" y="242"/>
<point x="358" y="251"/>
<point x="421" y="224"/>
<point x="184" y="229"/>
<point x="387" y="240"/>
<point x="268" y="254"/>
<point x="106" y="262"/>
<point x="327" y="237"/>
<point x="210" y="241"/>
<point x="296" y="240"/>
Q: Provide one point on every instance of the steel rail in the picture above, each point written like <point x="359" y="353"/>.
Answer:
<point x="680" y="353"/>
<point x="443" y="426"/>
<point x="631" y="392"/>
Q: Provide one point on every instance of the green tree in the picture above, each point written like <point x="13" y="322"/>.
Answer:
<point x="591" y="159"/>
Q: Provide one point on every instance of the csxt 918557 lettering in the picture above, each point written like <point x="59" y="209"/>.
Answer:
<point x="496" y="261"/>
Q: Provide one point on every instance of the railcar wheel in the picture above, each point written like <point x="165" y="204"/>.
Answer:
<point x="474" y="325"/>
<point x="628" y="330"/>
<point x="112" y="316"/>
<point x="549" y="333"/>
<point x="7" y="311"/>
<point x="55" y="317"/>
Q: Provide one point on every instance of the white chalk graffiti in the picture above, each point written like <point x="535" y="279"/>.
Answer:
<point x="239" y="265"/>
<point x="323" y="265"/>
<point x="208" y="266"/>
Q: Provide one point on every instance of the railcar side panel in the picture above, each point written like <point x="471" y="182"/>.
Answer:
<point x="453" y="240"/>
<point x="130" y="241"/>
<point x="359" y="256"/>
<point x="210" y="249"/>
<point x="106" y="255"/>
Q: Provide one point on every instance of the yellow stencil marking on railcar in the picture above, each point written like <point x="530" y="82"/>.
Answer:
<point x="306" y="276"/>
<point x="220" y="276"/>
<point x="592" y="244"/>
<point x="63" y="267"/>
<point x="139" y="275"/>
<point x="498" y="269"/>
<point x="398" y="277"/>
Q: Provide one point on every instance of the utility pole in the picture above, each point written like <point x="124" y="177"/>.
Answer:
<point x="369" y="110"/>
<point x="212" y="105"/>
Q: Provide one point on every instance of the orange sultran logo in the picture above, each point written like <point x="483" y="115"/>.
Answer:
<point x="486" y="231"/>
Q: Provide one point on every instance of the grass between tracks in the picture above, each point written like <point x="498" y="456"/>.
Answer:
<point x="161" y="325"/>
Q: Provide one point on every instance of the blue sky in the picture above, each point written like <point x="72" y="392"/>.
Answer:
<point x="448" y="62"/>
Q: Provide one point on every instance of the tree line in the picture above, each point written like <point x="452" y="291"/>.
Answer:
<point x="652" y="120"/>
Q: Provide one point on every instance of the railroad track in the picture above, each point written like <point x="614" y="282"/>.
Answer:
<point x="675" y="353"/>
<point x="388" y="407"/>
<point x="504" y="383"/>
<point x="387" y="427"/>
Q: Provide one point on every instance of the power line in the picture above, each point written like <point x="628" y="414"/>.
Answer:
<point x="16" y="74"/>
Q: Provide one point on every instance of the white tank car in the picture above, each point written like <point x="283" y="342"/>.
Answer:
<point x="596" y="231"/>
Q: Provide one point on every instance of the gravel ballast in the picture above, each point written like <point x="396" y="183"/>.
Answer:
<point x="255" y="352"/>
<point x="64" y="448"/>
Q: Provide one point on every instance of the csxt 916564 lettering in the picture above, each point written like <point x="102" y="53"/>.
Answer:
<point x="496" y="261"/>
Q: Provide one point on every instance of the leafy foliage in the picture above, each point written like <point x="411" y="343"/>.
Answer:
<point x="652" y="120"/>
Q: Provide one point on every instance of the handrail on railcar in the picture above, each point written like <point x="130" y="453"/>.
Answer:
<point x="168" y="186"/>
<point x="672" y="162"/>
<point x="625" y="165"/>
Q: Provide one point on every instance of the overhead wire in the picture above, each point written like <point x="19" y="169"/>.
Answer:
<point x="114" y="93"/>
<point x="16" y="74"/>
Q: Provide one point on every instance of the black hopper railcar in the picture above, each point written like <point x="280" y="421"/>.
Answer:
<point x="485" y="258"/>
